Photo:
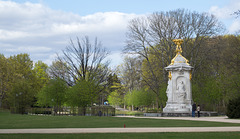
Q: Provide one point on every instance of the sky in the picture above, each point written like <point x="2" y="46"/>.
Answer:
<point x="43" y="28"/>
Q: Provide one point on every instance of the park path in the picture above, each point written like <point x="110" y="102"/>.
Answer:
<point x="137" y="130"/>
<point x="119" y="130"/>
<point x="224" y="119"/>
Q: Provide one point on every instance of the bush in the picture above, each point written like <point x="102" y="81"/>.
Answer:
<point x="153" y="110"/>
<point x="233" y="108"/>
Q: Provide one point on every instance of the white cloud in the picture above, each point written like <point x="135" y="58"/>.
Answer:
<point x="225" y="13"/>
<point x="51" y="58"/>
<point x="117" y="57"/>
<point x="221" y="13"/>
<point x="39" y="30"/>
<point x="235" y="26"/>
<point x="29" y="49"/>
<point x="10" y="34"/>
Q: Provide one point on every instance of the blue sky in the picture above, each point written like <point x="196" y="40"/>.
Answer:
<point x="43" y="28"/>
<point x="86" y="7"/>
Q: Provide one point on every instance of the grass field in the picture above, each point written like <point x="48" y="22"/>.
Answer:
<point x="15" y="121"/>
<point x="211" y="135"/>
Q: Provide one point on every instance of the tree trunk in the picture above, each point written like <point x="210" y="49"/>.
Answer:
<point x="157" y="103"/>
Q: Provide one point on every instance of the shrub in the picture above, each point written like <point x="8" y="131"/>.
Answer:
<point x="233" y="108"/>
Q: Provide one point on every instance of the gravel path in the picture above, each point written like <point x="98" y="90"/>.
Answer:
<point x="224" y="119"/>
<point x="120" y="130"/>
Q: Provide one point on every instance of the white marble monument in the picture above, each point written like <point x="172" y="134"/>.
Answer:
<point x="179" y="91"/>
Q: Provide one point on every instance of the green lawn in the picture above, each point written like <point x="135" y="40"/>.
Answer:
<point x="14" y="121"/>
<point x="211" y="135"/>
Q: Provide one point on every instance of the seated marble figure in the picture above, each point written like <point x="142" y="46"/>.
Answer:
<point x="181" y="91"/>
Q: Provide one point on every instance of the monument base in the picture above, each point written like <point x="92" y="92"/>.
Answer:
<point x="189" y="114"/>
<point x="181" y="114"/>
<point x="178" y="108"/>
<point x="176" y="114"/>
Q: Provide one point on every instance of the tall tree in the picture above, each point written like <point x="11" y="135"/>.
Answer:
<point x="4" y="78"/>
<point x="40" y="70"/>
<point x="82" y="95"/>
<point x="129" y="73"/>
<point x="140" y="98"/>
<point x="115" y="98"/>
<point x="53" y="94"/>
<point x="130" y="76"/>
<point x="113" y="84"/>
<point x="217" y="81"/>
<point x="23" y="85"/>
<point x="157" y="31"/>
<point x="85" y="61"/>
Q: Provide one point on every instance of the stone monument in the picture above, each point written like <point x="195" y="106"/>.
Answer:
<point x="179" y="91"/>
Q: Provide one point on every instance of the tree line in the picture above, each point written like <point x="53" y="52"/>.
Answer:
<point x="214" y="83"/>
<point x="81" y="76"/>
<point x="214" y="56"/>
<point x="78" y="78"/>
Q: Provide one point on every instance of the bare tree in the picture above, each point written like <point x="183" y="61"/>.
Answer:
<point x="237" y="13"/>
<point x="153" y="35"/>
<point x="85" y="62"/>
<point x="59" y="69"/>
<point x="129" y="73"/>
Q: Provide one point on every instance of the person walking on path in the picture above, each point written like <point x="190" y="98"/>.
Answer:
<point x="193" y="109"/>
<point x="198" y="110"/>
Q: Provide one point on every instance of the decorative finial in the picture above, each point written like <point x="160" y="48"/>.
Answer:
<point x="178" y="42"/>
<point x="169" y="75"/>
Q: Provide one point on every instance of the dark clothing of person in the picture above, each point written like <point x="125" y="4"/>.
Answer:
<point x="193" y="110"/>
<point x="100" y="113"/>
<point x="198" y="110"/>
<point x="198" y="113"/>
<point x="194" y="107"/>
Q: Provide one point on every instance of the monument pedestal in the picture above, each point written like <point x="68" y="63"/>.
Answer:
<point x="178" y="108"/>
<point x="188" y="114"/>
<point x="179" y="91"/>
<point x="176" y="114"/>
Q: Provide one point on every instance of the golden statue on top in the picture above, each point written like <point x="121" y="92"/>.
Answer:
<point x="178" y="42"/>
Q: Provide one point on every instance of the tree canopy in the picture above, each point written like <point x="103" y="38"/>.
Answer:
<point x="151" y="38"/>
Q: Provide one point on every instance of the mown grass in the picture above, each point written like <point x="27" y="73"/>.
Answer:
<point x="210" y="135"/>
<point x="15" y="121"/>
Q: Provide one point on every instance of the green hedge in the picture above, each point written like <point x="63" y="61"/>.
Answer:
<point x="233" y="108"/>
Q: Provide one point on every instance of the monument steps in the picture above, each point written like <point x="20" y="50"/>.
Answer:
<point x="181" y="114"/>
